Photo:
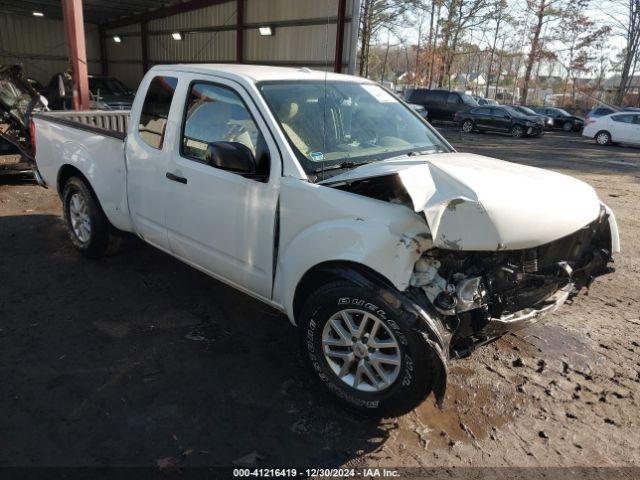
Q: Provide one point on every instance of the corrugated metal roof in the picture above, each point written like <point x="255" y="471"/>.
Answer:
<point x="95" y="11"/>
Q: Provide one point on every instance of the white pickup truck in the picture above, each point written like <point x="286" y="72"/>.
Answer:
<point x="326" y="197"/>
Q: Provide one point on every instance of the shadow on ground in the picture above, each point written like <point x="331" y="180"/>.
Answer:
<point x="138" y="358"/>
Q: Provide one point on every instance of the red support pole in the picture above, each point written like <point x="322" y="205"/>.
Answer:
<point x="240" y="31"/>
<point x="74" y="29"/>
<point x="342" y="11"/>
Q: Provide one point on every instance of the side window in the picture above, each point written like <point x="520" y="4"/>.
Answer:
<point x="418" y="96"/>
<point x="155" y="110"/>
<point x="453" y="99"/>
<point x="483" y="111"/>
<point x="636" y="120"/>
<point x="217" y="114"/>
<point x="623" y="118"/>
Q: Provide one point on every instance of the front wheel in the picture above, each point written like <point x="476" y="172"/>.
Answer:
<point x="362" y="352"/>
<point x="517" y="131"/>
<point x="567" y="126"/>
<point x="467" y="126"/>
<point x="87" y="226"/>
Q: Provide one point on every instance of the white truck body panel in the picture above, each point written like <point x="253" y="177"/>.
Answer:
<point x="473" y="202"/>
<point x="100" y="158"/>
<point x="239" y="230"/>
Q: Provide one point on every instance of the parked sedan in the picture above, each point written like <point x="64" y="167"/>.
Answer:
<point x="561" y="118"/>
<point x="622" y="127"/>
<point x="547" y="122"/>
<point x="502" y="119"/>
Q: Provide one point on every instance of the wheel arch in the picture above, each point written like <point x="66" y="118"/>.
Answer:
<point x="68" y="171"/>
<point x="329" y="271"/>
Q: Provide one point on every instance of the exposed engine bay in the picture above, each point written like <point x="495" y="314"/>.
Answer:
<point x="18" y="100"/>
<point x="480" y="295"/>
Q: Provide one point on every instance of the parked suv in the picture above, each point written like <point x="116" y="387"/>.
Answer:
<point x="441" y="104"/>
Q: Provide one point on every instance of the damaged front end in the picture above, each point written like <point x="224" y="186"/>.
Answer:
<point x="508" y="243"/>
<point x="482" y="295"/>
<point x="18" y="100"/>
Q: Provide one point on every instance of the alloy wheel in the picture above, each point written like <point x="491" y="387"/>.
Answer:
<point x="79" y="216"/>
<point x="361" y="350"/>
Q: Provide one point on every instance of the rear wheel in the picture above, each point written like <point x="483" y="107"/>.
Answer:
<point x="467" y="126"/>
<point x="87" y="226"/>
<point x="362" y="352"/>
<point x="567" y="126"/>
<point x="517" y="131"/>
<point x="603" y="138"/>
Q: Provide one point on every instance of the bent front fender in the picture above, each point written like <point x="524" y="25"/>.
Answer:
<point x="383" y="249"/>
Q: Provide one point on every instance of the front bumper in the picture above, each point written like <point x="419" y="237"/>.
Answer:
<point x="519" y="320"/>
<point x="534" y="130"/>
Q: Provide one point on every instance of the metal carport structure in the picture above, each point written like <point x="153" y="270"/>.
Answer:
<point x="125" y="38"/>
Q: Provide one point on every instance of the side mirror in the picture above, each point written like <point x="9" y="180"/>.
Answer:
<point x="232" y="156"/>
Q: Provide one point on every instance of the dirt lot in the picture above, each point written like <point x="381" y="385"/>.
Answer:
<point x="139" y="359"/>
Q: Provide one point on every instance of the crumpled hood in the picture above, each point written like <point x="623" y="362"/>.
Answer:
<point x="472" y="202"/>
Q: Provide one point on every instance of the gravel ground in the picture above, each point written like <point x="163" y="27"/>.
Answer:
<point x="139" y="360"/>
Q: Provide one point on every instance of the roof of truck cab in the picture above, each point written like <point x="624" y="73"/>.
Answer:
<point x="260" y="73"/>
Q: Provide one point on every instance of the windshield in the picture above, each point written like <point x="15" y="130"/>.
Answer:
<point x="107" y="86"/>
<point x="563" y="112"/>
<point x="468" y="100"/>
<point x="526" y="111"/>
<point x="514" y="111"/>
<point x="362" y="123"/>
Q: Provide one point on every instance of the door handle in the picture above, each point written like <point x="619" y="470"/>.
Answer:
<point x="176" y="178"/>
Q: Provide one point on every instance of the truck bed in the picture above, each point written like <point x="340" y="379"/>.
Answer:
<point x="112" y="123"/>
<point x="91" y="144"/>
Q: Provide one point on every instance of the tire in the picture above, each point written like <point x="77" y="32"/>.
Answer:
<point x="88" y="228"/>
<point x="517" y="131"/>
<point x="467" y="126"/>
<point x="603" y="138"/>
<point x="567" y="126"/>
<point x="408" y="382"/>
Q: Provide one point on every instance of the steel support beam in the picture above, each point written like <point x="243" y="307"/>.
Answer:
<point x="144" y="38"/>
<point x="342" y="14"/>
<point x="74" y="30"/>
<point x="240" y="31"/>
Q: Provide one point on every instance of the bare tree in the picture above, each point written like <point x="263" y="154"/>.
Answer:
<point x="375" y="16"/>
<point x="500" y="17"/>
<point x="544" y="12"/>
<point x="624" y="18"/>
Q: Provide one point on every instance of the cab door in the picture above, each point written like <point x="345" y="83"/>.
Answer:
<point x="501" y="119"/>
<point x="218" y="219"/>
<point x="624" y="129"/>
<point x="482" y="117"/>
<point x="147" y="154"/>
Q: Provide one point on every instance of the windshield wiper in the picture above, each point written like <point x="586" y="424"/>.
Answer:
<point x="342" y="166"/>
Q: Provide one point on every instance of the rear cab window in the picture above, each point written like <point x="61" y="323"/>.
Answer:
<point x="155" y="110"/>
